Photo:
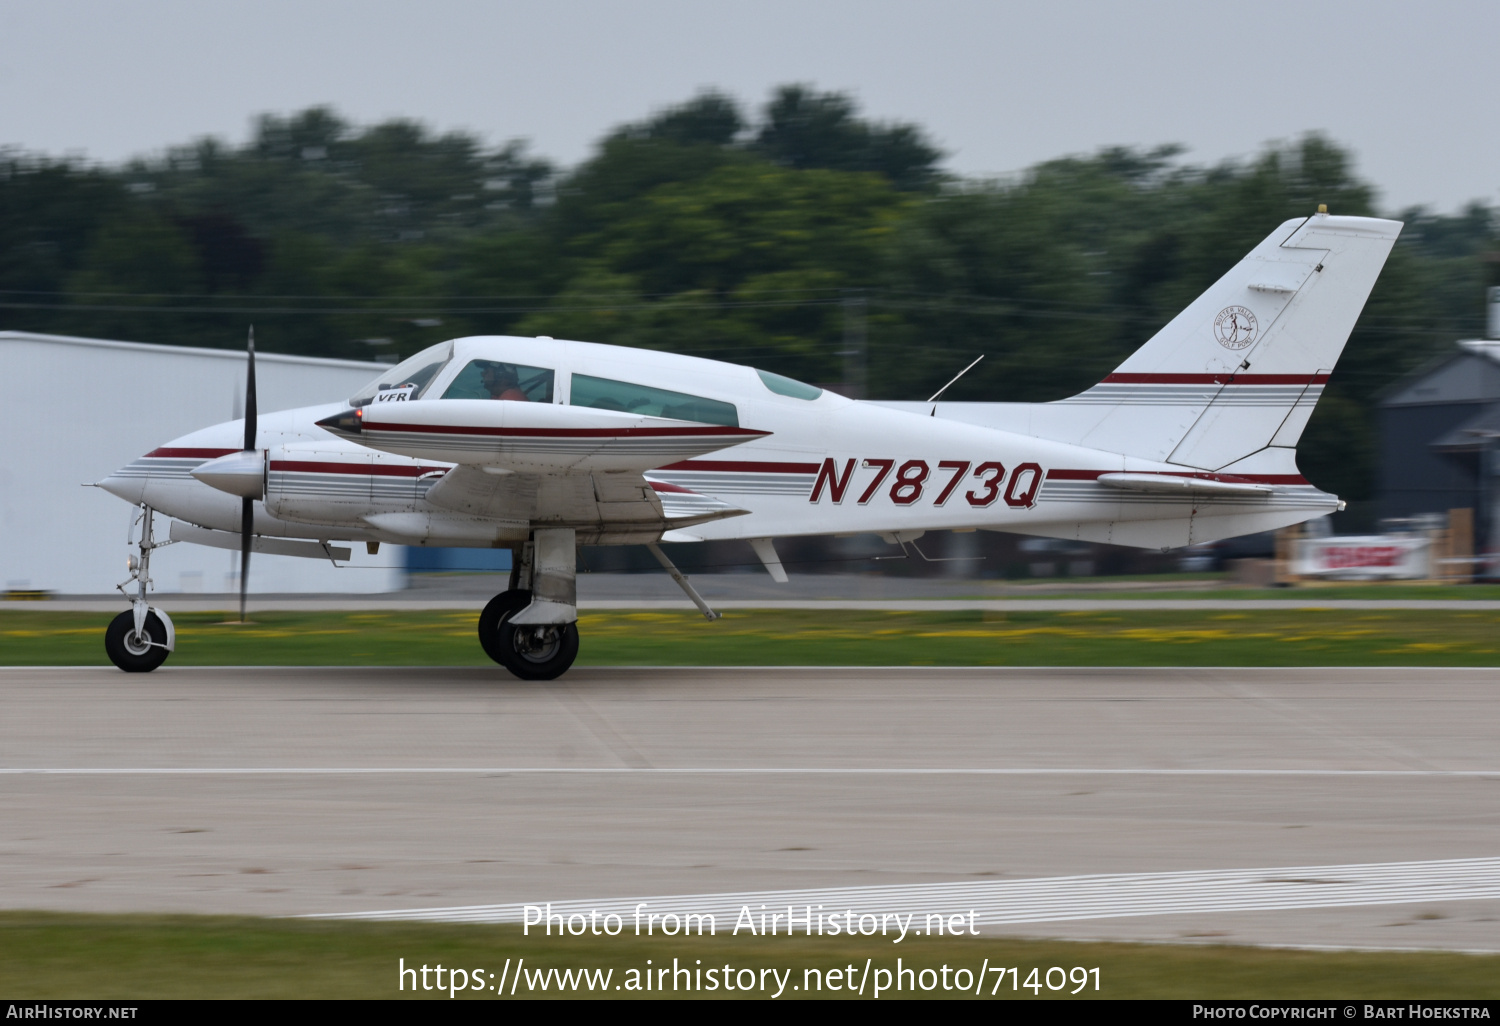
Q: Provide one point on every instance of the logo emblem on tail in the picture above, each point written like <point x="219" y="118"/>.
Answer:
<point x="1235" y="327"/>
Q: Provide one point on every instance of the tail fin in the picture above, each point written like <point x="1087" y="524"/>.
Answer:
<point x="1234" y="377"/>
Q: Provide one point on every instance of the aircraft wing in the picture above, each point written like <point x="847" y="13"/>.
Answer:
<point x="607" y="502"/>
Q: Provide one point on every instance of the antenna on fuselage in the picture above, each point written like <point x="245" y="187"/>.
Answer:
<point x="933" y="397"/>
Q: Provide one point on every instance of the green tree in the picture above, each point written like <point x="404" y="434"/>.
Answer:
<point x="805" y="129"/>
<point x="700" y="229"/>
<point x="49" y="212"/>
<point x="313" y="173"/>
<point x="745" y="262"/>
<point x="136" y="269"/>
<point x="708" y="119"/>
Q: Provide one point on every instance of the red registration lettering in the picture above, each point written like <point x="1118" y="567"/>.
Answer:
<point x="885" y="468"/>
<point x="959" y="468"/>
<point x="996" y="472"/>
<point x="907" y="487"/>
<point x="1023" y="496"/>
<point x="911" y="480"/>
<point x="828" y="474"/>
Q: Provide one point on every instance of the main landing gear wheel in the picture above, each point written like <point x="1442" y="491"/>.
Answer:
<point x="130" y="651"/>
<point x="530" y="651"/>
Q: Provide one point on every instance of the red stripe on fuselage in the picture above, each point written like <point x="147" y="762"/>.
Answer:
<point x="1215" y="379"/>
<point x="183" y="454"/>
<point x="744" y="467"/>
<point x="1093" y="475"/>
<point x="367" y="469"/>
<point x="683" y="432"/>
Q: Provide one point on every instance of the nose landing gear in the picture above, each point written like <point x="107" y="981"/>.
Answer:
<point x="140" y="639"/>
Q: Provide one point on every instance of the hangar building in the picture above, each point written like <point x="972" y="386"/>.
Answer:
<point x="75" y="409"/>
<point x="1440" y="440"/>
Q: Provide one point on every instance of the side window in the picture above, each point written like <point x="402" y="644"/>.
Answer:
<point x="604" y="394"/>
<point x="789" y="387"/>
<point x="496" y="379"/>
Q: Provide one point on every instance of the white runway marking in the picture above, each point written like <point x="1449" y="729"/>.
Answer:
<point x="956" y="771"/>
<point x="1049" y="899"/>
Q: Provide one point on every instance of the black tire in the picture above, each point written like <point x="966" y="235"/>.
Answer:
<point x="132" y="653"/>
<point x="502" y="607"/>
<point x="531" y="652"/>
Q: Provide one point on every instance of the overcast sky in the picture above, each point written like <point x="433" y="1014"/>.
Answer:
<point x="1412" y="88"/>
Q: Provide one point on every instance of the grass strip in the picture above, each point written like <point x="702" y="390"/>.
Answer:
<point x="1311" y="594"/>
<point x="1300" y="637"/>
<point x="68" y="956"/>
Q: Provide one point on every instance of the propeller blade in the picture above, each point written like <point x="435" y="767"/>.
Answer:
<point x="247" y="504"/>
<point x="250" y="424"/>
<point x="247" y="524"/>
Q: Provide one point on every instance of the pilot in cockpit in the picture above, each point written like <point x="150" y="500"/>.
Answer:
<point x="502" y="382"/>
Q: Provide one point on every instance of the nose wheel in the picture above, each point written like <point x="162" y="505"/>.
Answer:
<point x="530" y="651"/>
<point x="136" y="651"/>
<point x="140" y="639"/>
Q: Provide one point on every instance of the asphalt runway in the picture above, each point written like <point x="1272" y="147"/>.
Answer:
<point x="293" y="791"/>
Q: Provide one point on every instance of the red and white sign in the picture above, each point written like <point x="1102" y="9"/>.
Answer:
<point x="1393" y="556"/>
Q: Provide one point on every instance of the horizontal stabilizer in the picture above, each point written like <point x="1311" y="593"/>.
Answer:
<point x="1175" y="484"/>
<point x="272" y="546"/>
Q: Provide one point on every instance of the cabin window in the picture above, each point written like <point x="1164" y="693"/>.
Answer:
<point x="789" y="387"/>
<point x="499" y="379"/>
<point x="409" y="378"/>
<point x="604" y="394"/>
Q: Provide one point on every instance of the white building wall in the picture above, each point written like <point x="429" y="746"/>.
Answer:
<point x="72" y="410"/>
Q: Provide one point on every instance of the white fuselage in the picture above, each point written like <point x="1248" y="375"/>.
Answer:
<point x="801" y="466"/>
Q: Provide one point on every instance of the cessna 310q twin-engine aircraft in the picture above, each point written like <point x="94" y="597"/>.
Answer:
<point x="541" y="445"/>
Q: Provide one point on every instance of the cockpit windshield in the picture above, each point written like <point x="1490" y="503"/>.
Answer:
<point x="409" y="378"/>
